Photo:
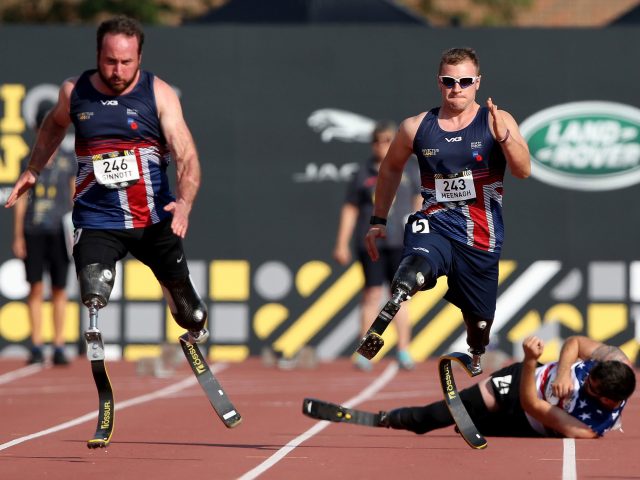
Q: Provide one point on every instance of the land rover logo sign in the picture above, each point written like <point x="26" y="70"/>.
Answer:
<point x="585" y="145"/>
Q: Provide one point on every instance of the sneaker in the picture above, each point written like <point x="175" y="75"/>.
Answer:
<point x="363" y="364"/>
<point x="36" y="356"/>
<point x="59" y="357"/>
<point x="405" y="361"/>
<point x="287" y="363"/>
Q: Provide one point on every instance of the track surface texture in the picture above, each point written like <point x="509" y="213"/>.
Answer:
<point x="165" y="427"/>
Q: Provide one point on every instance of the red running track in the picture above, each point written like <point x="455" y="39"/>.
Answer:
<point x="178" y="435"/>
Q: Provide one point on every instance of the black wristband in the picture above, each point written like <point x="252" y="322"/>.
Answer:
<point x="377" y="220"/>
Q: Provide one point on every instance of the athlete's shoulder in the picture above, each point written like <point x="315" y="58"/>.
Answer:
<point x="158" y="82"/>
<point x="60" y="111"/>
<point x="68" y="84"/>
<point x="71" y="80"/>
<point x="416" y="119"/>
<point x="410" y="125"/>
<point x="609" y="352"/>
<point x="83" y="76"/>
<point x="78" y="82"/>
<point x="162" y="90"/>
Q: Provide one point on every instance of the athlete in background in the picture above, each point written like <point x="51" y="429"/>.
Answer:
<point x="354" y="217"/>
<point x="40" y="238"/>
<point x="463" y="150"/>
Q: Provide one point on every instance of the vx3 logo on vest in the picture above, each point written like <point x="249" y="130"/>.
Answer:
<point x="453" y="139"/>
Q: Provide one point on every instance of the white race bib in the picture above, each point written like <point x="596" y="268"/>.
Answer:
<point x="116" y="169"/>
<point x="456" y="187"/>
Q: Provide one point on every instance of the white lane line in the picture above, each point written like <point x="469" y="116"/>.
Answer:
<point x="148" y="397"/>
<point x="367" y="393"/>
<point x="569" y="471"/>
<point x="20" y="372"/>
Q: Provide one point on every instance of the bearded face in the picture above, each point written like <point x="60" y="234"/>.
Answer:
<point x="118" y="62"/>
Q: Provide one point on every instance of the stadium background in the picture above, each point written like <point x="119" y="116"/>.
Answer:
<point x="280" y="116"/>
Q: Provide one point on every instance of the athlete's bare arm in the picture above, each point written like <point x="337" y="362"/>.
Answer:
<point x="515" y="148"/>
<point x="19" y="245"/>
<point x="51" y="134"/>
<point x="389" y="177"/>
<point x="552" y="417"/>
<point x="576" y="348"/>
<point x="348" y="220"/>
<point x="184" y="153"/>
<point x="608" y="352"/>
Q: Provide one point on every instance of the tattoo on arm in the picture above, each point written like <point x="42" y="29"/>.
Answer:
<point x="608" y="352"/>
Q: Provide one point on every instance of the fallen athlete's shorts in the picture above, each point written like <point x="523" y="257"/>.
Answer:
<point x="377" y="273"/>
<point x="510" y="420"/>
<point x="472" y="274"/>
<point x="46" y="251"/>
<point x="156" y="246"/>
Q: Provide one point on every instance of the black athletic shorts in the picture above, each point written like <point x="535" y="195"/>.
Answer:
<point x="377" y="273"/>
<point x="156" y="246"/>
<point x="510" y="420"/>
<point x="46" y="251"/>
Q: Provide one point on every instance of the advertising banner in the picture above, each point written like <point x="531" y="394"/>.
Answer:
<point x="282" y="117"/>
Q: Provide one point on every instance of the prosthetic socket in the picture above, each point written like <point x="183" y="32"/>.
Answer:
<point x="187" y="308"/>
<point x="478" y="330"/>
<point x="413" y="274"/>
<point x="96" y="282"/>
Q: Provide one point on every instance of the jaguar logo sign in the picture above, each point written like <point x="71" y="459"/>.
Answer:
<point x="589" y="145"/>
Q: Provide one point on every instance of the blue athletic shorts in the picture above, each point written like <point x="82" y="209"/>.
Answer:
<point x="472" y="274"/>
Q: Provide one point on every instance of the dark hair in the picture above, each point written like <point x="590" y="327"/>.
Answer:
<point x="120" y="24"/>
<point x="454" y="56"/>
<point x="616" y="380"/>
<point x="383" y="126"/>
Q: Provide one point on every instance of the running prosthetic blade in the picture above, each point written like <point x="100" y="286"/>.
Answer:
<point x="372" y="342"/>
<point x="212" y="388"/>
<point x="322" y="410"/>
<point x="464" y="423"/>
<point x="106" y="404"/>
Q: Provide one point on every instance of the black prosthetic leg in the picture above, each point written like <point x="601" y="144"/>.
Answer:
<point x="414" y="274"/>
<point x="465" y="424"/>
<point x="96" y="283"/>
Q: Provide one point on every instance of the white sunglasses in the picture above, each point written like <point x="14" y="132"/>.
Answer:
<point x="464" y="82"/>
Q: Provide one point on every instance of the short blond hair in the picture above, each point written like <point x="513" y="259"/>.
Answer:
<point x="454" y="56"/>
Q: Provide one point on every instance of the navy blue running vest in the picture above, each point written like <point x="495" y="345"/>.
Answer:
<point x="452" y="166"/>
<point x="112" y="127"/>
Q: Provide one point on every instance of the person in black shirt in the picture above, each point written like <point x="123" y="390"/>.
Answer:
<point x="354" y="217"/>
<point x="42" y="241"/>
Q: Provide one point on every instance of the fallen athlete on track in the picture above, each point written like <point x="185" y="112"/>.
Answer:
<point x="582" y="395"/>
